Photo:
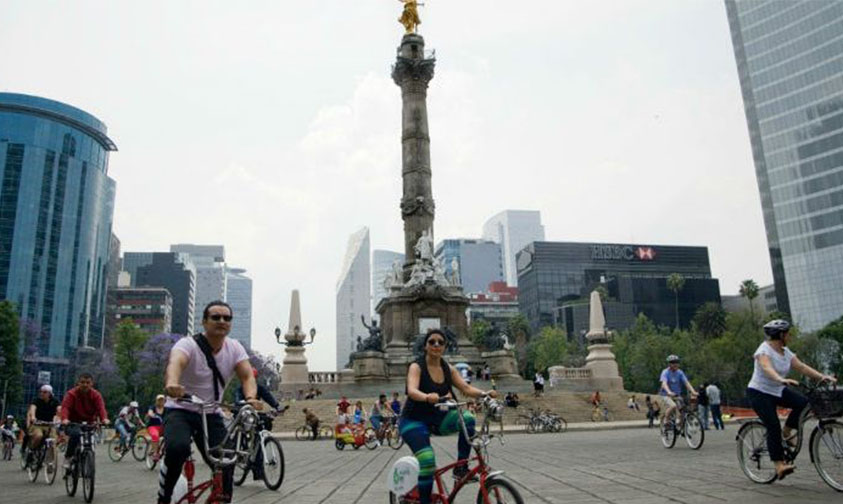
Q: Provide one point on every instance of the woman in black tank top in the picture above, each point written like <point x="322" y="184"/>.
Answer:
<point x="428" y="380"/>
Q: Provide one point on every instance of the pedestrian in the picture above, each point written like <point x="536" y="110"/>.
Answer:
<point x="713" y="393"/>
<point x="632" y="403"/>
<point x="702" y="406"/>
<point x="651" y="411"/>
<point x="487" y="373"/>
<point x="538" y="384"/>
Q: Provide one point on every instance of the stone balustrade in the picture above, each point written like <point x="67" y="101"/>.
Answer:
<point x="560" y="374"/>
<point x="324" y="377"/>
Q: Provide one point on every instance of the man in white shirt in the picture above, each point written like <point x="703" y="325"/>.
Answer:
<point x="714" y="402"/>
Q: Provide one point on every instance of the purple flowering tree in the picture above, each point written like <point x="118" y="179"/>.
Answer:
<point x="266" y="366"/>
<point x="152" y="364"/>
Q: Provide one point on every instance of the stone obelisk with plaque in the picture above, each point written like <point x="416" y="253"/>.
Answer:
<point x="420" y="295"/>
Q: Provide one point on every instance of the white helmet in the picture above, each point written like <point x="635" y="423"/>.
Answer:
<point x="46" y="388"/>
<point x="133" y="404"/>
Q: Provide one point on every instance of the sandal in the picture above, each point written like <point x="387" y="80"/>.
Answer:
<point x="780" y="475"/>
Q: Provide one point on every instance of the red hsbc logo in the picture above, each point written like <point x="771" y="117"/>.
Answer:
<point x="645" y="253"/>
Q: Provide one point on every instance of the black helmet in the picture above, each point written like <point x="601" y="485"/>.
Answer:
<point x="672" y="358"/>
<point x="775" y="328"/>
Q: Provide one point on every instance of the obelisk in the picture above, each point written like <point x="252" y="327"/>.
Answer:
<point x="600" y="360"/>
<point x="294" y="369"/>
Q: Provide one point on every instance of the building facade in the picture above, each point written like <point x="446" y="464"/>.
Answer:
<point x="353" y="296"/>
<point x="56" y="207"/>
<point x="209" y="261"/>
<point x="479" y="262"/>
<point x="382" y="261"/>
<point x="238" y="295"/>
<point x="790" y="65"/>
<point x="497" y="305"/>
<point x="174" y="272"/>
<point x="513" y="229"/>
<point x="554" y="277"/>
<point x="151" y="308"/>
<point x="115" y="267"/>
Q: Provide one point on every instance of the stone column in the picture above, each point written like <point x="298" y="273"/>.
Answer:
<point x="413" y="72"/>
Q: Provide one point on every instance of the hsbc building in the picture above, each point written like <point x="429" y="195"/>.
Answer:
<point x="556" y="278"/>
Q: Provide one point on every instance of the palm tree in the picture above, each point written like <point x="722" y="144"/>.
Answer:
<point x="675" y="282"/>
<point x="749" y="290"/>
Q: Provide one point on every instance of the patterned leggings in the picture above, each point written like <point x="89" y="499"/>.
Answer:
<point x="417" y="436"/>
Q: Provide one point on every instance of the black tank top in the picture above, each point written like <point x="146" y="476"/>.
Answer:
<point x="422" y="411"/>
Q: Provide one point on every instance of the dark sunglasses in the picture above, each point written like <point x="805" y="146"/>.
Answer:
<point x="216" y="317"/>
<point x="436" y="342"/>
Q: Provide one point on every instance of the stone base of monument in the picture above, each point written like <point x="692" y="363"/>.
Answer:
<point x="369" y="366"/>
<point x="295" y="366"/>
<point x="604" y="368"/>
<point x="502" y="364"/>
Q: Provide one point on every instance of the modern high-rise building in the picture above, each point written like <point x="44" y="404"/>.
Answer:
<point x="115" y="266"/>
<point x="238" y="295"/>
<point x="134" y="260"/>
<point x="382" y="261"/>
<point x="513" y="229"/>
<point x="353" y="296"/>
<point x="174" y="272"/>
<point x="790" y="64"/>
<point x="479" y="262"/>
<point x="209" y="261"/>
<point x="151" y="308"/>
<point x="56" y="203"/>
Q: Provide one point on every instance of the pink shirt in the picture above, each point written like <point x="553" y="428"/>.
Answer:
<point x="197" y="378"/>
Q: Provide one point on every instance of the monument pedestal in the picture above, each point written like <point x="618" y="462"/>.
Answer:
<point x="369" y="366"/>
<point x="502" y="364"/>
<point x="604" y="368"/>
<point x="295" y="366"/>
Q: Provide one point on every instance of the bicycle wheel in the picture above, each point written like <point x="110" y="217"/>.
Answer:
<point x="500" y="491"/>
<point x="115" y="452"/>
<point x="339" y="444"/>
<point x="827" y="453"/>
<point x="694" y="432"/>
<point x="326" y="432"/>
<point x="88" y="473"/>
<point x="71" y="480"/>
<point x="304" y="433"/>
<point x="667" y="431"/>
<point x="241" y="469"/>
<point x="394" y="438"/>
<point x="151" y="460"/>
<point x="532" y="426"/>
<point x="50" y="464"/>
<point x="753" y="456"/>
<point x="34" y="466"/>
<point x="370" y="438"/>
<point x="24" y="456"/>
<point x="563" y="424"/>
<point x="140" y="448"/>
<point x="273" y="463"/>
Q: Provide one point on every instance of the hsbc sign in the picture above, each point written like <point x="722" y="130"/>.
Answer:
<point x="622" y="253"/>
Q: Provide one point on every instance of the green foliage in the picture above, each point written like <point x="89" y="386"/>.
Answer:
<point x="518" y="330"/>
<point x="749" y="290"/>
<point x="11" y="370"/>
<point x="834" y="332"/>
<point x="549" y="348"/>
<point x="477" y="331"/>
<point x="129" y="341"/>
<point x="710" y="320"/>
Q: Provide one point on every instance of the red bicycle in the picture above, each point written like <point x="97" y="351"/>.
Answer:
<point x="243" y="422"/>
<point x="494" y="488"/>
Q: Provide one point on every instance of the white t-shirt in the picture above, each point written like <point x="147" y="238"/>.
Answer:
<point x="197" y="378"/>
<point x="781" y="363"/>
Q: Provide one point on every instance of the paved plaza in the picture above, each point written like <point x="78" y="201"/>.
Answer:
<point x="616" y="466"/>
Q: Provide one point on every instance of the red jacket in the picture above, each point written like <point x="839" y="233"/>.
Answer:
<point x="79" y="407"/>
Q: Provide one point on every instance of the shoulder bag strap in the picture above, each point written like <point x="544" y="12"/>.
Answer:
<point x="202" y="341"/>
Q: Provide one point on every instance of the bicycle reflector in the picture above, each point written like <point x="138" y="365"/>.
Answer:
<point x="404" y="475"/>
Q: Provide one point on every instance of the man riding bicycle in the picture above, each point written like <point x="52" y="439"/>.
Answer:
<point x="82" y="403"/>
<point x="127" y="424"/>
<point x="672" y="380"/>
<point x="201" y="365"/>
<point x="45" y="408"/>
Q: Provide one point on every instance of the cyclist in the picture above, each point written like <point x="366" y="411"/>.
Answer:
<point x="672" y="380"/>
<point x="395" y="405"/>
<point x="380" y="410"/>
<point x="9" y="429"/>
<point x="312" y="420"/>
<point x="155" y="421"/>
<point x="82" y="403"/>
<point x="201" y="365"/>
<point x="127" y="423"/>
<point x="429" y="380"/>
<point x="766" y="390"/>
<point x="45" y="408"/>
<point x="358" y="417"/>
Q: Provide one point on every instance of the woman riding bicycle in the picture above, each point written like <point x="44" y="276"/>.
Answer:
<point x="430" y="379"/>
<point x="155" y="421"/>
<point x="766" y="390"/>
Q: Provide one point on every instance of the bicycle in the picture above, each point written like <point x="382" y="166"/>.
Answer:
<point x="154" y="456"/>
<point x="138" y="445"/>
<point x="389" y="431"/>
<point x="245" y="419"/>
<point x="543" y="421"/>
<point x="45" y="456"/>
<point x="689" y="426"/>
<point x="825" y="444"/>
<point x="494" y="488"/>
<point x="82" y="463"/>
<point x="305" y="432"/>
<point x="8" y="447"/>
<point x="600" y="412"/>
<point x="262" y="441"/>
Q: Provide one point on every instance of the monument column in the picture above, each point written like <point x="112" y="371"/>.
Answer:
<point x="413" y="72"/>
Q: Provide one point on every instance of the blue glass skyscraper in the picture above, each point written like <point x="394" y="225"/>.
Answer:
<point x="56" y="207"/>
<point x="790" y="64"/>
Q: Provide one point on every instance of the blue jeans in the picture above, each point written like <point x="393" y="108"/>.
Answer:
<point x="126" y="432"/>
<point x="716" y="416"/>
<point x="702" y="411"/>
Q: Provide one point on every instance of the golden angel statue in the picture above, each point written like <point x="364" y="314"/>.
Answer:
<point x="410" y="17"/>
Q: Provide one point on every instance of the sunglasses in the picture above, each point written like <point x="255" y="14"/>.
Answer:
<point x="436" y="342"/>
<point x="216" y="317"/>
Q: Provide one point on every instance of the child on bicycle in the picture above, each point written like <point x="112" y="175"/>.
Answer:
<point x="429" y="380"/>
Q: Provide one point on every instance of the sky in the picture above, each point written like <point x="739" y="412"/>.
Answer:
<point x="273" y="128"/>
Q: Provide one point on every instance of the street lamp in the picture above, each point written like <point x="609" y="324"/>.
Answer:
<point x="296" y="338"/>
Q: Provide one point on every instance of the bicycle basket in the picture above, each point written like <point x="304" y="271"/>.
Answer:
<point x="827" y="403"/>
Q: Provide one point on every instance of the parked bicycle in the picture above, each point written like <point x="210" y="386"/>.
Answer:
<point x="825" y="444"/>
<point x="543" y="421"/>
<point x="494" y="488"/>
<point x="600" y="413"/>
<point x="82" y="464"/>
<point x="46" y="456"/>
<point x="688" y="425"/>
<point x="138" y="444"/>
<point x="258" y="440"/>
<point x="305" y="432"/>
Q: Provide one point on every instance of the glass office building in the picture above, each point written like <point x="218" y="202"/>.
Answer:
<point x="790" y="64"/>
<point x="56" y="206"/>
<point x="479" y="262"/>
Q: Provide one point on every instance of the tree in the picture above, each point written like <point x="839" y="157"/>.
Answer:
<point x="477" y="331"/>
<point x="518" y="330"/>
<point x="675" y="282"/>
<point x="129" y="341"/>
<point x="153" y="362"/>
<point x="749" y="290"/>
<point x="710" y="320"/>
<point x="549" y="348"/>
<point x="11" y="372"/>
<point x="834" y="331"/>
